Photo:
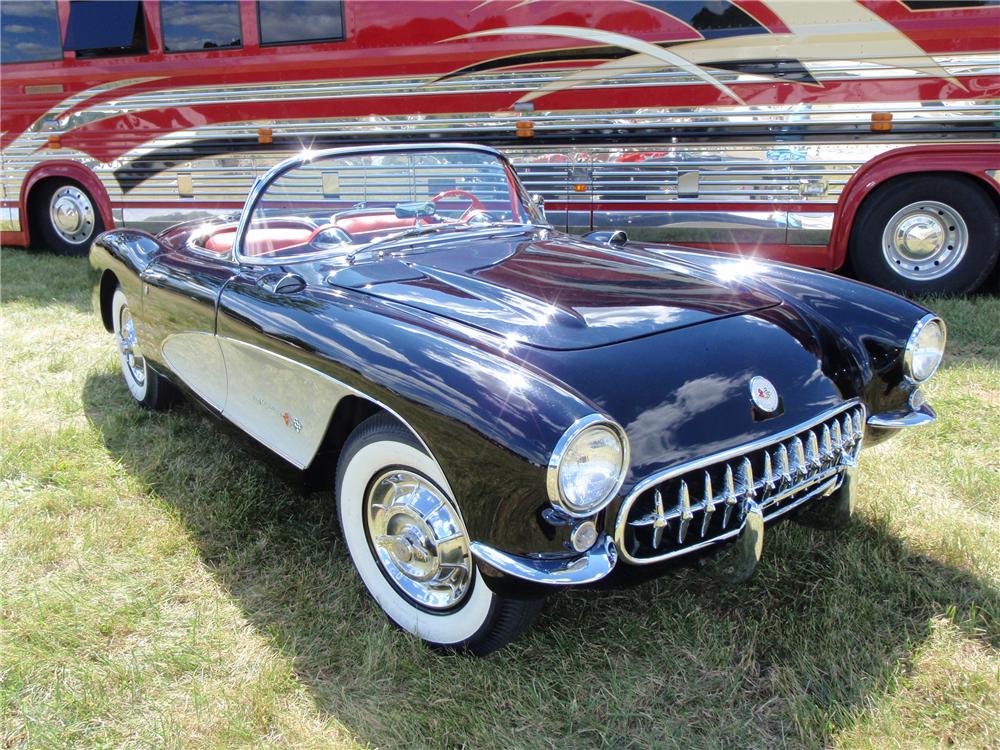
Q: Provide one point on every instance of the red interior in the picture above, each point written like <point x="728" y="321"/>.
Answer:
<point x="366" y="224"/>
<point x="259" y="241"/>
<point x="284" y="234"/>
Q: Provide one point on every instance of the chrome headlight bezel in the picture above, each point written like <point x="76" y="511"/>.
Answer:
<point x="575" y="431"/>
<point x="911" y="345"/>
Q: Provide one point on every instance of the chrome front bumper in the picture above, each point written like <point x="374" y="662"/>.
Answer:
<point x="592" y="565"/>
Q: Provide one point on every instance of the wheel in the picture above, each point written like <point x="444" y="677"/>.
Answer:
<point x="938" y="234"/>
<point x="66" y="217"/>
<point x="831" y="512"/>
<point x="146" y="387"/>
<point x="409" y="544"/>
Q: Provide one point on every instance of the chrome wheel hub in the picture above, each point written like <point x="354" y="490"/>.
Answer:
<point x="128" y="347"/>
<point x="419" y="539"/>
<point x="72" y="214"/>
<point x="924" y="241"/>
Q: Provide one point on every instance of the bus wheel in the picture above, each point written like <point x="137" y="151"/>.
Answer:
<point x="66" y="217"/>
<point x="933" y="234"/>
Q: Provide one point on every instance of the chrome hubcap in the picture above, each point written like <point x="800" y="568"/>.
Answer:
<point x="72" y="214"/>
<point x="924" y="241"/>
<point x="128" y="347"/>
<point x="419" y="539"/>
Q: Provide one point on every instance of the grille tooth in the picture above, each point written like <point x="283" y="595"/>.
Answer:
<point x="768" y="472"/>
<point x="684" y="507"/>
<point x="728" y="494"/>
<point x="784" y="467"/>
<point x="826" y="444"/>
<point x="744" y="476"/>
<point x="708" y="503"/>
<point x="847" y="425"/>
<point x="838" y="438"/>
<point x="812" y="450"/>
<point x="660" y="522"/>
<point x="801" y="466"/>
<point x="797" y="455"/>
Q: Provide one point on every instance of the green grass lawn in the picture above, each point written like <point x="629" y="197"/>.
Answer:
<point x="161" y="587"/>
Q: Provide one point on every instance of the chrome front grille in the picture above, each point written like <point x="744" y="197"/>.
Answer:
<point x="703" y="502"/>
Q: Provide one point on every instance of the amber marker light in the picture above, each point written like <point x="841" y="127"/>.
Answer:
<point x="580" y="188"/>
<point x="525" y="129"/>
<point x="881" y="122"/>
<point x="55" y="141"/>
<point x="265" y="136"/>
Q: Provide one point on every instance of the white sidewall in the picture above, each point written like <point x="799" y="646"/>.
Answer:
<point x="137" y="389"/>
<point x="448" y="628"/>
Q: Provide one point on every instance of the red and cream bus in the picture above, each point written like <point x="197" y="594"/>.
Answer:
<point x="813" y="132"/>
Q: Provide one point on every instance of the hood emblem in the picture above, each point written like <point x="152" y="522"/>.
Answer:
<point x="763" y="394"/>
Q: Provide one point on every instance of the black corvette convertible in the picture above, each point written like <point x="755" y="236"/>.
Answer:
<point x="501" y="408"/>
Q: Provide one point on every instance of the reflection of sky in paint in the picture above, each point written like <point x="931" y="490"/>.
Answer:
<point x="205" y="24"/>
<point x="30" y="31"/>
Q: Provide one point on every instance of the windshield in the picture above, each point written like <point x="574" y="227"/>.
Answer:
<point x="352" y="201"/>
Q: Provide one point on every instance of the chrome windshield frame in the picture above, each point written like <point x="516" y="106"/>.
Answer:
<point x="262" y="183"/>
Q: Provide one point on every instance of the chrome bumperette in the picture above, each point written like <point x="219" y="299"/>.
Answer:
<point x="659" y="521"/>
<point x="589" y="567"/>
<point x="905" y="417"/>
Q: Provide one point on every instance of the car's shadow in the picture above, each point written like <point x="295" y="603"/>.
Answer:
<point x="827" y="623"/>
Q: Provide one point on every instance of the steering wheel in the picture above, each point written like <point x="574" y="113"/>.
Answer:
<point x="475" y="206"/>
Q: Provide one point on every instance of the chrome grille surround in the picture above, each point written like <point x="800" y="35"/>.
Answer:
<point x="703" y="502"/>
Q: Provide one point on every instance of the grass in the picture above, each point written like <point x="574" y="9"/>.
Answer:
<point x="159" y="587"/>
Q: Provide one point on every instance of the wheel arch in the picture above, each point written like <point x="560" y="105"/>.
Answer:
<point x="61" y="170"/>
<point x="351" y="411"/>
<point x="969" y="161"/>
<point x="106" y="292"/>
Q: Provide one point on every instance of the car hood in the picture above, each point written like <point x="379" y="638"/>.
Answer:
<point x="553" y="291"/>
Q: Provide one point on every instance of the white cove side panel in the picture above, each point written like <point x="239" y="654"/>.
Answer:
<point x="196" y="358"/>
<point x="283" y="404"/>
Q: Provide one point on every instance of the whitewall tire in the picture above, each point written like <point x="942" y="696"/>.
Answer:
<point x="146" y="387"/>
<point x="408" y="542"/>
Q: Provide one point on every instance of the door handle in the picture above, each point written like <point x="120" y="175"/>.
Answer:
<point x="153" y="277"/>
<point x="287" y="283"/>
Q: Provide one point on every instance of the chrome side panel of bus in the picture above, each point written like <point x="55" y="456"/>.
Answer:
<point x="768" y="174"/>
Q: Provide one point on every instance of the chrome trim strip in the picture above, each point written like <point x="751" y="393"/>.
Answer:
<point x="591" y="566"/>
<point x="906" y="417"/>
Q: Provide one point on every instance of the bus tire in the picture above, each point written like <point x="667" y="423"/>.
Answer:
<point x="935" y="234"/>
<point x="66" y="216"/>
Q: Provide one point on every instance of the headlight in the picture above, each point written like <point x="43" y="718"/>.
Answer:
<point x="587" y="466"/>
<point x="924" y="349"/>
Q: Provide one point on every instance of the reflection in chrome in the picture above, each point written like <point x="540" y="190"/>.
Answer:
<point x="128" y="347"/>
<point x="419" y="539"/>
<point x="793" y="466"/>
<point x="925" y="240"/>
<point x="906" y="417"/>
<point x="591" y="566"/>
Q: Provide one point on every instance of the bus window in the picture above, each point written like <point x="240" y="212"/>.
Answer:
<point x="29" y="31"/>
<point x="299" y="21"/>
<point x="205" y="24"/>
<point x="102" y="28"/>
